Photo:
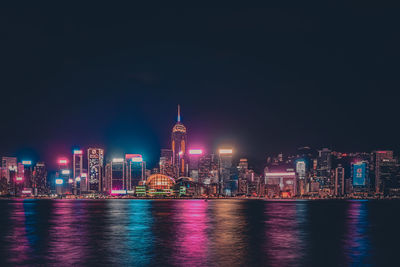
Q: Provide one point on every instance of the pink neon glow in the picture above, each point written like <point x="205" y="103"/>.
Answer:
<point x="59" y="181"/>
<point x="70" y="181"/>
<point x="180" y="153"/>
<point x="225" y="151"/>
<point x="19" y="178"/>
<point x="280" y="174"/>
<point x="195" y="151"/>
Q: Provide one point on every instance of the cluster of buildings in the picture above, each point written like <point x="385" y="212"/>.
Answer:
<point x="189" y="171"/>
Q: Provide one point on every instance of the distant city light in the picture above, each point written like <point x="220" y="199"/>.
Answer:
<point x="78" y="179"/>
<point x="59" y="181"/>
<point x="195" y="151"/>
<point x="118" y="160"/>
<point x="27" y="191"/>
<point x="280" y="173"/>
<point x="70" y="181"/>
<point x="65" y="172"/>
<point x="77" y="152"/>
<point x="19" y="178"/>
<point x="118" y="192"/>
<point x="62" y="161"/>
<point x="130" y="156"/>
<point x="26" y="162"/>
<point x="180" y="153"/>
<point x="225" y="151"/>
<point x="84" y="175"/>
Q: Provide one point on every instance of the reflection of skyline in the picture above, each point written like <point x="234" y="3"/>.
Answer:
<point x="356" y="243"/>
<point x="284" y="243"/>
<point x="196" y="232"/>
<point x="191" y="240"/>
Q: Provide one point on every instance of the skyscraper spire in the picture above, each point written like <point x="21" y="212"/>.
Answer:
<point x="179" y="113"/>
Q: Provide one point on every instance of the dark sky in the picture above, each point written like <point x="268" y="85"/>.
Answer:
<point x="263" y="80"/>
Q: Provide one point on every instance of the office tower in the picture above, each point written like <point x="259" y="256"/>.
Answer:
<point x="194" y="162"/>
<point x="28" y="178"/>
<point x="117" y="174"/>
<point x="106" y="184"/>
<point x="135" y="170"/>
<point x="389" y="175"/>
<point x="95" y="169"/>
<point x="378" y="158"/>
<point x="225" y="165"/>
<point x="360" y="177"/>
<point x="79" y="185"/>
<point x="324" y="167"/>
<point x="166" y="166"/>
<point x="280" y="181"/>
<point x="9" y="164"/>
<point x="301" y="176"/>
<point x="339" y="181"/>
<point x="179" y="144"/>
<point x="40" y="179"/>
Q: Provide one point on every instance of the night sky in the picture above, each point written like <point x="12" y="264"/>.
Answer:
<point x="263" y="80"/>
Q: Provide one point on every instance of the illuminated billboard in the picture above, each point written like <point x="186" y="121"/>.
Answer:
<point x="225" y="151"/>
<point x="359" y="173"/>
<point x="195" y="151"/>
<point x="77" y="152"/>
<point x="26" y="162"/>
<point x="65" y="172"/>
<point x="59" y="181"/>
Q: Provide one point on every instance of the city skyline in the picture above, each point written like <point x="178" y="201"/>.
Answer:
<point x="268" y="80"/>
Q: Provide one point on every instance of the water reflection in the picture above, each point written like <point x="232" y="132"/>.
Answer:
<point x="356" y="243"/>
<point x="191" y="240"/>
<point x="284" y="246"/>
<point x="198" y="233"/>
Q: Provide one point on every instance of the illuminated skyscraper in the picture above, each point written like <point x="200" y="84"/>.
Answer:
<point x="135" y="170"/>
<point x="77" y="165"/>
<point x="225" y="165"/>
<point x="40" y="179"/>
<point x="179" y="144"/>
<point x="379" y="157"/>
<point x="8" y="164"/>
<point x="95" y="169"/>
<point x="118" y="174"/>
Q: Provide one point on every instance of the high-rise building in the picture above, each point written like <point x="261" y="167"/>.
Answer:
<point x="8" y="164"/>
<point x="79" y="185"/>
<point x="324" y="167"/>
<point x="118" y="182"/>
<point x="135" y="170"/>
<point x="28" y="178"/>
<point x="378" y="158"/>
<point x="179" y="145"/>
<point x="339" y="181"/>
<point x="166" y="166"/>
<point x="225" y="165"/>
<point x="194" y="162"/>
<point x="360" y="177"/>
<point x="40" y="179"/>
<point x="95" y="169"/>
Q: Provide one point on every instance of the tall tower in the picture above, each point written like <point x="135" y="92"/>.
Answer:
<point x="95" y="169"/>
<point x="179" y="145"/>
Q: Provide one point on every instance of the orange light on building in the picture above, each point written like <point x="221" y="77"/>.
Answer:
<point x="226" y="151"/>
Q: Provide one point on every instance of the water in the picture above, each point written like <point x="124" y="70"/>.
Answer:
<point x="199" y="233"/>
